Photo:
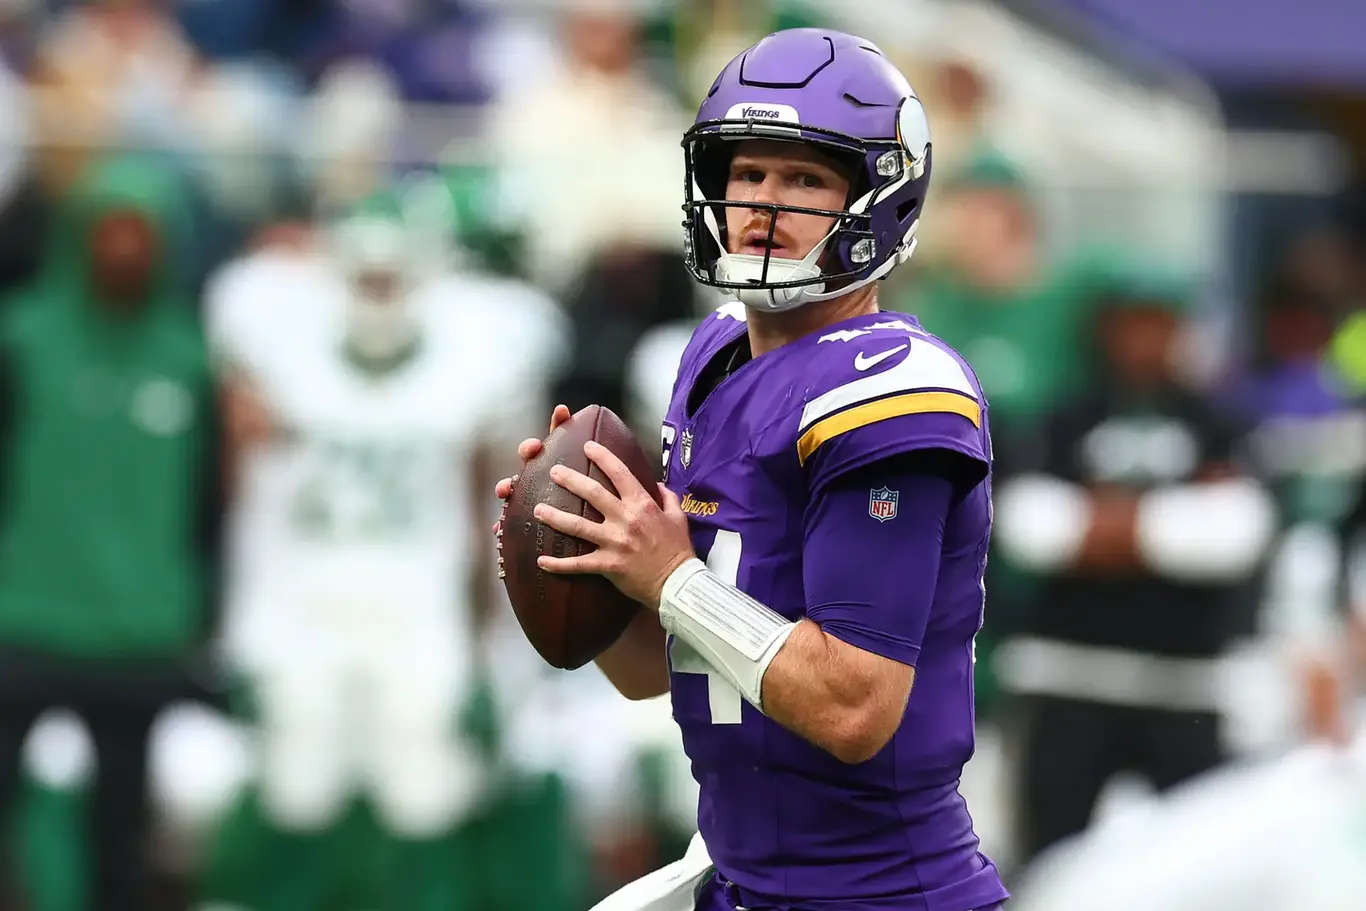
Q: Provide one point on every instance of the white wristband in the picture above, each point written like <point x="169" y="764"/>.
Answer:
<point x="734" y="633"/>
<point x="1209" y="533"/>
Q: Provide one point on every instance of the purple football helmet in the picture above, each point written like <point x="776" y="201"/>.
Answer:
<point x="842" y="94"/>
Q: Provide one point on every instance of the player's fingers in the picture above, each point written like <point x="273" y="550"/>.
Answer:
<point x="572" y="525"/>
<point x="503" y="488"/>
<point x="670" y="505"/>
<point x="628" y="488"/>
<point x="596" y="563"/>
<point x="529" y="449"/>
<point x="586" y="489"/>
<point x="559" y="416"/>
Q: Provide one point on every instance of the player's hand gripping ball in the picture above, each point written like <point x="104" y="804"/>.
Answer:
<point x="569" y="618"/>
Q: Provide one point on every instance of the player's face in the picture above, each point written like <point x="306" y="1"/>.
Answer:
<point x="782" y="173"/>
<point x="379" y="287"/>
<point x="1140" y="344"/>
<point x="379" y="321"/>
<point x="1297" y="332"/>
<point x="123" y="254"/>
<point x="990" y="236"/>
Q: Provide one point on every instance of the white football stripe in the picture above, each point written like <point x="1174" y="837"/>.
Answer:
<point x="926" y="367"/>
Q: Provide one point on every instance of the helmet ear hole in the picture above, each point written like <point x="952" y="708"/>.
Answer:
<point x="711" y="166"/>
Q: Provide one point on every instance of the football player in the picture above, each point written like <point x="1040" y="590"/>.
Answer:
<point x="359" y="423"/>
<point x="814" y="577"/>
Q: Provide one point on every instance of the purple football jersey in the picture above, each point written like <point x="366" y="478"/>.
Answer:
<point x="786" y="822"/>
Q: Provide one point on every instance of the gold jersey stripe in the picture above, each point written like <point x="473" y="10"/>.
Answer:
<point x="882" y="409"/>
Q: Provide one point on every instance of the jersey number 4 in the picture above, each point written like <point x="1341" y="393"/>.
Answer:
<point x="723" y="699"/>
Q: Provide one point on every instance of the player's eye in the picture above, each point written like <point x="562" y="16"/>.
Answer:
<point x="810" y="181"/>
<point x="750" y="175"/>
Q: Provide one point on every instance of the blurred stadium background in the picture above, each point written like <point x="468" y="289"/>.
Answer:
<point x="1200" y="159"/>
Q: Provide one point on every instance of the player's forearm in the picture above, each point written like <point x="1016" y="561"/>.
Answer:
<point x="842" y="699"/>
<point x="841" y="676"/>
<point x="636" y="664"/>
<point x="1217" y="532"/>
<point x="813" y="690"/>
<point x="1202" y="532"/>
<point x="1050" y="525"/>
<point x="1042" y="521"/>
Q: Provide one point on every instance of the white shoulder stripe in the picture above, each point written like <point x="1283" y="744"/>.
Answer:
<point x="926" y="367"/>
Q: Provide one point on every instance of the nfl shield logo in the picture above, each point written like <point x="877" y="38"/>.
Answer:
<point x="685" y="448"/>
<point x="882" y="503"/>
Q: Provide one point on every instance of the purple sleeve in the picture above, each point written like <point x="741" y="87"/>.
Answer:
<point x="870" y="582"/>
<point x="848" y="442"/>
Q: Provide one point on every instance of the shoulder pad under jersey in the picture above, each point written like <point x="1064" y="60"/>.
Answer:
<point x="882" y="388"/>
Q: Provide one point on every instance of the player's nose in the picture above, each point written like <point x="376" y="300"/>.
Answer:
<point x="766" y="192"/>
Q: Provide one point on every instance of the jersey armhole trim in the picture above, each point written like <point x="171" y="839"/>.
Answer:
<point x="883" y="409"/>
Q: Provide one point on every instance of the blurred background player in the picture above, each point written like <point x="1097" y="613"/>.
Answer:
<point x="111" y="504"/>
<point x="1136" y="502"/>
<point x="1231" y="838"/>
<point x="354" y="599"/>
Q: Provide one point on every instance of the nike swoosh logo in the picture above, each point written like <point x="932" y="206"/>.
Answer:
<point x="863" y="363"/>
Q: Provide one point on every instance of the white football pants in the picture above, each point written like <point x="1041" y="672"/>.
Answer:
<point x="355" y="698"/>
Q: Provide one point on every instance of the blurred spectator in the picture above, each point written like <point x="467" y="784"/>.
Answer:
<point x="594" y="151"/>
<point x="1132" y="503"/>
<point x="651" y="370"/>
<point x="23" y="208"/>
<point x="428" y="46"/>
<point x="1295" y="398"/>
<point x="19" y="20"/>
<point x="1309" y="443"/>
<point x="699" y="37"/>
<point x="110" y="73"/>
<point x="351" y="127"/>
<point x="1336" y="671"/>
<point x="964" y="96"/>
<point x="241" y="120"/>
<point x="1334" y="267"/>
<point x="111" y="496"/>
<point x="241" y="117"/>
<point x="956" y="95"/>
<point x="1017" y="317"/>
<point x="234" y="30"/>
<point x="489" y="224"/>
<point x="619" y="300"/>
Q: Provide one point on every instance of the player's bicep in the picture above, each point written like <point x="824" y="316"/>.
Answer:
<point x="873" y="542"/>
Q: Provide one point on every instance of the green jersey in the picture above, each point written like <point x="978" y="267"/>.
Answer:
<point x="107" y="438"/>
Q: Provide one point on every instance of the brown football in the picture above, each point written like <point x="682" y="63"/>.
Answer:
<point x="570" y="619"/>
